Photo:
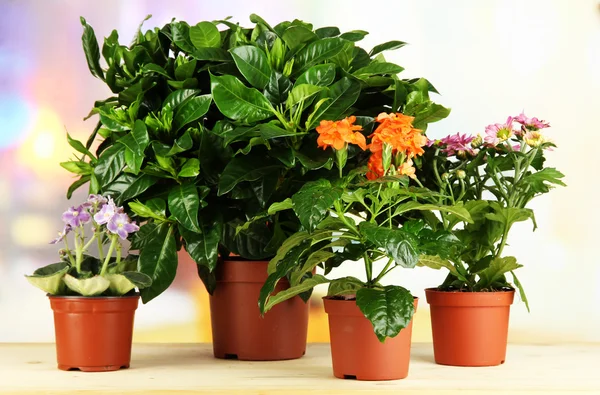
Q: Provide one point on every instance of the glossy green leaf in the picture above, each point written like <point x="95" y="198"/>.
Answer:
<point x="433" y="113"/>
<point x="387" y="46"/>
<point x="507" y="216"/>
<point x="521" y="291"/>
<point x="184" y="204"/>
<point x="238" y="102"/>
<point x="244" y="169"/>
<point x="191" y="168"/>
<point x="110" y="164"/>
<point x="252" y="62"/>
<point x="328" y="31"/>
<point x="354" y="35"/>
<point x="309" y="264"/>
<point x="92" y="286"/>
<point x="313" y="202"/>
<point x="79" y="147"/>
<point x="459" y="212"/>
<point x="50" y="278"/>
<point x="390" y="309"/>
<point x="435" y="262"/>
<point x="127" y="186"/>
<point x="280" y="206"/>
<point x="211" y="55"/>
<point x="77" y="167"/>
<point x="278" y="88"/>
<point x="158" y="260"/>
<point x="186" y="70"/>
<point x="203" y="246"/>
<point x="378" y="68"/>
<point x="138" y="139"/>
<point x="296" y="290"/>
<point x="74" y="186"/>
<point x="317" y="52"/>
<point x="119" y="284"/>
<point x="180" y="32"/>
<point x="344" y="286"/>
<point x="301" y="94"/>
<point x="320" y="75"/>
<point x="498" y="267"/>
<point x="145" y="211"/>
<point x="91" y="50"/>
<point x="179" y="96"/>
<point x="397" y="244"/>
<point x="192" y="110"/>
<point x="297" y="36"/>
<point x="205" y="34"/>
<point x="342" y="95"/>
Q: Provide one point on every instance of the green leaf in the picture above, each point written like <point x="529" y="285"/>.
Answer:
<point x="205" y="34"/>
<point x="313" y="201"/>
<point x="179" y="96"/>
<point x="495" y="272"/>
<point x="280" y="206"/>
<point x="191" y="110"/>
<point x="387" y="46"/>
<point x="301" y="94"/>
<point x="297" y="36"/>
<point x="238" y="102"/>
<point x="184" y="204"/>
<point x="289" y="293"/>
<point x="143" y="236"/>
<point x="191" y="168"/>
<point x="507" y="216"/>
<point x="320" y="75"/>
<point x="119" y="284"/>
<point x="211" y="55"/>
<point x="252" y="62"/>
<point x="435" y="262"/>
<point x="342" y="95"/>
<point x="378" y="68"/>
<point x="396" y="243"/>
<point x="293" y="241"/>
<point x="126" y="187"/>
<point x="208" y="278"/>
<point x="79" y="147"/>
<point x="203" y="246"/>
<point x="73" y="187"/>
<point x="138" y="139"/>
<point x="269" y="131"/>
<point x="186" y="70"/>
<point x="390" y="309"/>
<point x="433" y="113"/>
<point x="344" y="286"/>
<point x="92" y="286"/>
<point x="458" y="211"/>
<point x="311" y="262"/>
<point x="158" y="260"/>
<point x="317" y="52"/>
<point x="521" y="291"/>
<point x="329" y="31"/>
<point x="354" y="35"/>
<point x="50" y="278"/>
<point x="541" y="181"/>
<point x="277" y="89"/>
<point x="257" y="19"/>
<point x="244" y="169"/>
<point x="91" y="50"/>
<point x="110" y="164"/>
<point x="140" y="280"/>
<point x="77" y="167"/>
<point x="144" y="211"/>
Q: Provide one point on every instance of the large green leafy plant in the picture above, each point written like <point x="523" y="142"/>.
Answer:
<point x="494" y="177"/>
<point x="208" y="128"/>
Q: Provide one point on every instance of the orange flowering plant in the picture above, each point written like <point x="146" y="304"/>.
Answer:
<point x="373" y="213"/>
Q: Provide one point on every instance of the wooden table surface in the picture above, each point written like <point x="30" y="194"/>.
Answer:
<point x="190" y="368"/>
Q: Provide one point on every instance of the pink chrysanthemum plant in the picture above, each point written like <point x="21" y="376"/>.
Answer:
<point x="78" y="273"/>
<point x="494" y="177"/>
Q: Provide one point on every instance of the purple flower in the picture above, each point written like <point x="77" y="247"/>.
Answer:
<point x="498" y="132"/>
<point x="107" y="211"/>
<point x="96" y="199"/>
<point x="531" y="123"/>
<point x="457" y="143"/>
<point x="62" y="234"/>
<point x="76" y="216"/>
<point x="121" y="225"/>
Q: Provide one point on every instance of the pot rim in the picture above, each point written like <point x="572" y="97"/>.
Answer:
<point x="469" y="299"/>
<point x="81" y="297"/>
<point x="435" y="290"/>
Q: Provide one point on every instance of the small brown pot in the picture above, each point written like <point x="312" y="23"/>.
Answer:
<point x="93" y="334"/>
<point x="356" y="352"/>
<point x="469" y="328"/>
<point x="238" y="330"/>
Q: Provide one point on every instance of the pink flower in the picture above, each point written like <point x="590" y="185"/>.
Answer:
<point x="457" y="143"/>
<point x="497" y="133"/>
<point x="121" y="225"/>
<point x="106" y="213"/>
<point x="531" y="123"/>
<point x="62" y="234"/>
<point x="76" y="216"/>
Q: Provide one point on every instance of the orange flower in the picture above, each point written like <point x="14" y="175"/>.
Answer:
<point x="337" y="134"/>
<point x="396" y="129"/>
<point x="375" y="166"/>
<point x="407" y="169"/>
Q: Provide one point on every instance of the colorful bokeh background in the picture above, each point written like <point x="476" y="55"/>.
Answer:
<point x="490" y="59"/>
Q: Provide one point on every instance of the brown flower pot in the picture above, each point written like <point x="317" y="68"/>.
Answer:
<point x="238" y="330"/>
<point x="355" y="350"/>
<point x="93" y="334"/>
<point x="469" y="328"/>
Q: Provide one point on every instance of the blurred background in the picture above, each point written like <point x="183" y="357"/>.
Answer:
<point x="489" y="59"/>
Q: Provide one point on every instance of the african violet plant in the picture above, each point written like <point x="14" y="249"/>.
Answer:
<point x="494" y="178"/>
<point x="81" y="274"/>
<point x="208" y="128"/>
<point x="366" y="214"/>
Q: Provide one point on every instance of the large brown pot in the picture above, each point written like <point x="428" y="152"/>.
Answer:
<point x="355" y="350"/>
<point x="93" y="334"/>
<point x="469" y="328"/>
<point x="238" y="330"/>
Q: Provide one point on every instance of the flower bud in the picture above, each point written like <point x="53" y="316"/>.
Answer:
<point x="461" y="154"/>
<point x="461" y="174"/>
<point x="445" y="176"/>
<point x="477" y="141"/>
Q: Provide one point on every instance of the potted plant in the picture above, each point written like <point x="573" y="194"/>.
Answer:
<point x="209" y="128"/>
<point x="494" y="178"/>
<point x="366" y="214"/>
<point x="93" y="298"/>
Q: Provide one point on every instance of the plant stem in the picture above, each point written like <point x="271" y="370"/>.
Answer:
<point x="89" y="243"/>
<point x="383" y="272"/>
<point x="71" y="259"/>
<point x="368" y="267"/>
<point x="109" y="254"/>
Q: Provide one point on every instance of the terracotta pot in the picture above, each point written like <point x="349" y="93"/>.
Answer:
<point x="469" y="328"/>
<point x="93" y="334"/>
<point x="356" y="352"/>
<point x="238" y="330"/>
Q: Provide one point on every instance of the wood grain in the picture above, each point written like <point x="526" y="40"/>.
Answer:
<point x="190" y="369"/>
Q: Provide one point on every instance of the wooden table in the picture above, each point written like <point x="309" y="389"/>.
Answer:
<point x="190" y="368"/>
